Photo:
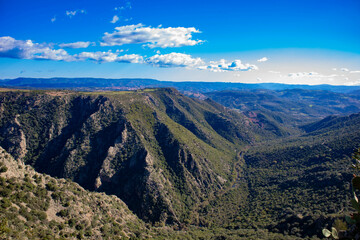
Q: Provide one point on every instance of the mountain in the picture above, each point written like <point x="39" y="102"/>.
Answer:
<point x="162" y="153"/>
<point x="301" y="181"/>
<point x="288" y="108"/>
<point x="93" y="84"/>
<point x="185" y="164"/>
<point x="38" y="206"/>
<point x="333" y="123"/>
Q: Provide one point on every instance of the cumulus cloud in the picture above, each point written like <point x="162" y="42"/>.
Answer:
<point x="76" y="45"/>
<point x="264" y="59"/>
<point x="225" y="66"/>
<point x="357" y="71"/>
<point x="275" y="72"/>
<point x="12" y="48"/>
<point x="19" y="49"/>
<point x="114" y="19"/>
<point x="109" y="56"/>
<point x="344" y="69"/>
<point x="151" y="36"/>
<point x="174" y="60"/>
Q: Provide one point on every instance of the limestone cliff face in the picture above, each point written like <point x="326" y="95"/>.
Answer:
<point x="160" y="152"/>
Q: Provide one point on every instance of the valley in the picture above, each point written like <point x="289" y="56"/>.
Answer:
<point x="263" y="163"/>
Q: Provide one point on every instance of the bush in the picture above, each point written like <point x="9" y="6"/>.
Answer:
<point x="41" y="215"/>
<point x="5" y="192"/>
<point x="51" y="186"/>
<point x="4" y="228"/>
<point x="63" y="213"/>
<point x="5" y="203"/>
<point x="72" y="222"/>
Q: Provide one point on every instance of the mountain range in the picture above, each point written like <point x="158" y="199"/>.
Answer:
<point x="139" y="83"/>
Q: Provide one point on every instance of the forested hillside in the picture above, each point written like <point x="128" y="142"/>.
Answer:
<point x="182" y="162"/>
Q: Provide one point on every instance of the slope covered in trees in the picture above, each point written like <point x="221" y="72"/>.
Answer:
<point x="178" y="161"/>
<point x="288" y="108"/>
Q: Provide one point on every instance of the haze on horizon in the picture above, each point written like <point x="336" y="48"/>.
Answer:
<point x="294" y="42"/>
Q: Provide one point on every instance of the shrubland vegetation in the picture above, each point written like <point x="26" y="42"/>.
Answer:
<point x="189" y="169"/>
<point x="37" y="206"/>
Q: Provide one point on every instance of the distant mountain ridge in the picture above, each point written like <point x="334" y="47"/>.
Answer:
<point x="92" y="84"/>
<point x="288" y="108"/>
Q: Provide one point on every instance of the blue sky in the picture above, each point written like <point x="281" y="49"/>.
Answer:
<point x="288" y="41"/>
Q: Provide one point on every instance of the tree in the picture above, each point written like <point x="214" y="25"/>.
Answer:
<point x="353" y="232"/>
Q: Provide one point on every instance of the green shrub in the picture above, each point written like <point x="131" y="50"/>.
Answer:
<point x="79" y="227"/>
<point x="63" y="213"/>
<point x="41" y="215"/>
<point x="4" y="228"/>
<point x="72" y="222"/>
<point x="51" y="186"/>
<point x="5" y="192"/>
<point x="5" y="203"/>
<point x="23" y="212"/>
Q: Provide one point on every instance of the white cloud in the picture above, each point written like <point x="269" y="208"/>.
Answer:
<point x="12" y="48"/>
<point x="109" y="56"/>
<point x="151" y="36"/>
<point x="302" y="74"/>
<point x="174" y="60"/>
<point x="73" y="13"/>
<point x="258" y="79"/>
<point x="357" y="71"/>
<point x="311" y="75"/>
<point x="224" y="66"/>
<point x="126" y="6"/>
<point x="53" y="19"/>
<point x="353" y="83"/>
<point x="114" y="19"/>
<point x="76" y="45"/>
<point x="334" y="69"/>
<point x="19" y="49"/>
<point x="264" y="59"/>
<point x="275" y="72"/>
<point x="344" y="69"/>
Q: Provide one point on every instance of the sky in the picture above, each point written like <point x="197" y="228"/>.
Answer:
<point x="284" y="41"/>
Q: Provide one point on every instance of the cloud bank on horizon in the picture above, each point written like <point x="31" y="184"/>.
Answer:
<point x="19" y="49"/>
<point x="81" y="33"/>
